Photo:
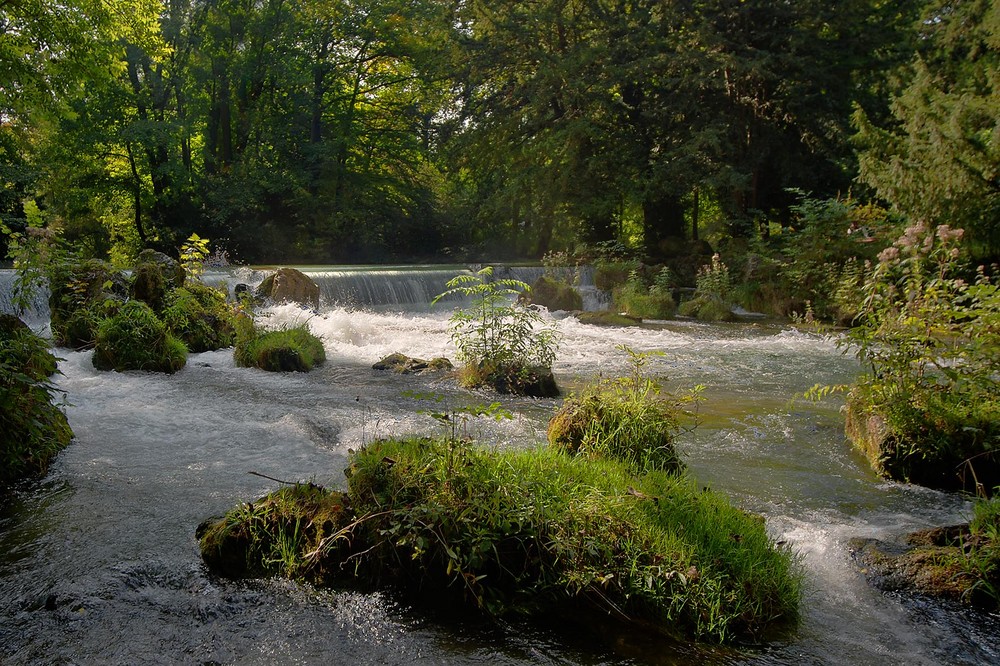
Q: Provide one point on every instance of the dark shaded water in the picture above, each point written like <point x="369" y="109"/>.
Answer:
<point x="99" y="565"/>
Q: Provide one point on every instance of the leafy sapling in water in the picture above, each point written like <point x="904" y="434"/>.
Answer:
<point x="497" y="336"/>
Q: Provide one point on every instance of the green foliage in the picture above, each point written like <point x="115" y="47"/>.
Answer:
<point x="33" y="429"/>
<point x="497" y="336"/>
<point x="624" y="419"/>
<point x="282" y="534"/>
<point x="131" y="337"/>
<point x="554" y="294"/>
<point x="284" y="350"/>
<point x="528" y="531"/>
<point x="200" y="316"/>
<point x="637" y="299"/>
<point x="937" y="157"/>
<point x="612" y="273"/>
<point x="194" y="252"/>
<point x="929" y="341"/>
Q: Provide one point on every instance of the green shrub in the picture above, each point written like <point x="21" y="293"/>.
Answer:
<point x="624" y="419"/>
<point x="637" y="299"/>
<point x="33" y="429"/>
<point x="612" y="273"/>
<point x="286" y="350"/>
<point x="78" y="293"/>
<point x="534" y="532"/>
<point x="133" y="338"/>
<point x="554" y="294"/>
<point x="928" y="407"/>
<point x="200" y="317"/>
<point x="501" y="341"/>
<point x="713" y="290"/>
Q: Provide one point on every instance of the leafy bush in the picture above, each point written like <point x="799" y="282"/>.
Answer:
<point x="637" y="299"/>
<point x="625" y="419"/>
<point x="33" y="429"/>
<point x="712" y="293"/>
<point x="501" y="341"/>
<point x="200" y="316"/>
<point x="285" y="350"/>
<point x="532" y="532"/>
<point x="554" y="294"/>
<point x="930" y="342"/>
<point x="133" y="338"/>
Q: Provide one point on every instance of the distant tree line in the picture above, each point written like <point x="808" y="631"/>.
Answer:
<point x="364" y="131"/>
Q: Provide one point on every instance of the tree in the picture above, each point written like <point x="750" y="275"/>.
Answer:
<point x="939" y="159"/>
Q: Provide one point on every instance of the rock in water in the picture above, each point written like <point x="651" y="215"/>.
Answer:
<point x="288" y="285"/>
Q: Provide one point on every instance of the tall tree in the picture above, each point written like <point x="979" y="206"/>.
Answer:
<point x="939" y="160"/>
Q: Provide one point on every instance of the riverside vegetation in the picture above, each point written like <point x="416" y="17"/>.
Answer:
<point x="604" y="524"/>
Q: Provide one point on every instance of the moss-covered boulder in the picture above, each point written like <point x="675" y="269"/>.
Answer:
<point x="155" y="275"/>
<point x="299" y="531"/>
<point x="613" y="420"/>
<point x="932" y="438"/>
<point x="33" y="429"/>
<point x="554" y="294"/>
<point x="530" y="381"/>
<point x="960" y="563"/>
<point x="132" y="337"/>
<point x="288" y="285"/>
<point x="607" y="318"/>
<point x="201" y="317"/>
<point x="78" y="292"/>
<point x="286" y="350"/>
<point x="405" y="365"/>
<point x="649" y="304"/>
<point x="530" y="532"/>
<point x="707" y="308"/>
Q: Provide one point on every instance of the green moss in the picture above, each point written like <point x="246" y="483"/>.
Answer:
<point x="948" y="439"/>
<point x="32" y="427"/>
<point x="287" y="350"/>
<point x="555" y="295"/>
<point x="707" y="308"/>
<point x="295" y="532"/>
<point x="200" y="317"/>
<point x="607" y="318"/>
<point x="611" y="274"/>
<point x="77" y="292"/>
<point x="625" y="420"/>
<point x="511" y="379"/>
<point x="645" y="305"/>
<point x="133" y="338"/>
<point x="534" y="532"/>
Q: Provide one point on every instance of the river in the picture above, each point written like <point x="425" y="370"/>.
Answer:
<point x="99" y="563"/>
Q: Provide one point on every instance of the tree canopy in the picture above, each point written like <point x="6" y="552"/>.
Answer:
<point x="326" y="130"/>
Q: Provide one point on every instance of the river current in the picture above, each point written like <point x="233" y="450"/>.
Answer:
<point x="99" y="563"/>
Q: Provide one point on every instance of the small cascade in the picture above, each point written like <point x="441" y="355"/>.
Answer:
<point x="37" y="313"/>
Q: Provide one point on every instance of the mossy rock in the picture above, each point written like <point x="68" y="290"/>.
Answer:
<point x="607" y="423"/>
<point x="652" y="305"/>
<point x="608" y="275"/>
<point x="289" y="285"/>
<point x="275" y="535"/>
<point x="77" y="292"/>
<point x="554" y="295"/>
<point x="405" y="365"/>
<point x="529" y="532"/>
<point x="607" y="318"/>
<point x="935" y="439"/>
<point x="134" y="338"/>
<point x="33" y="429"/>
<point x="532" y="382"/>
<point x="201" y="317"/>
<point x="707" y="308"/>
<point x="289" y="350"/>
<point x="935" y="562"/>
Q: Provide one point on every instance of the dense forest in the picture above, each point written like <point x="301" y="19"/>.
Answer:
<point x="362" y="131"/>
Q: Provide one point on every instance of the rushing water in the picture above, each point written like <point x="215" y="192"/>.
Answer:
<point x="99" y="564"/>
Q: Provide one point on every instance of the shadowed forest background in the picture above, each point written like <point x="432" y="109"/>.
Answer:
<point x="410" y="130"/>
